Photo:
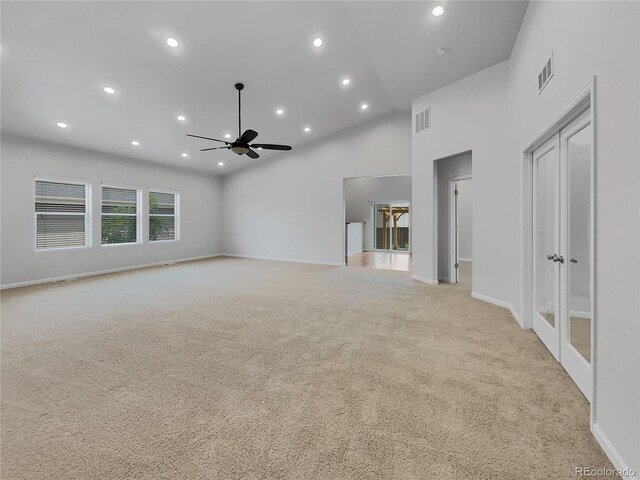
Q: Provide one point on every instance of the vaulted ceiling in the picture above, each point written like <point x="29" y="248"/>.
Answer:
<point x="58" y="56"/>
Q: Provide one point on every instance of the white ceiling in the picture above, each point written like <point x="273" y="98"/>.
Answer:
<point x="57" y="57"/>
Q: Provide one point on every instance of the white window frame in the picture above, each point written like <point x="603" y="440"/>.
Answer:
<point x="88" y="233"/>
<point x="138" y="213"/>
<point x="176" y="214"/>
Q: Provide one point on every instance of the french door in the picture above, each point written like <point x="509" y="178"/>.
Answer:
<point x="563" y="283"/>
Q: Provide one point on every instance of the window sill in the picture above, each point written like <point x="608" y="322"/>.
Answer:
<point x="62" y="249"/>
<point x="119" y="244"/>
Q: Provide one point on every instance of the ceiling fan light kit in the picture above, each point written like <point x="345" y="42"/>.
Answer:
<point x="242" y="145"/>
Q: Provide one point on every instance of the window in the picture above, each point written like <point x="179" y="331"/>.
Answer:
<point x="163" y="224"/>
<point x="63" y="214"/>
<point x="120" y="216"/>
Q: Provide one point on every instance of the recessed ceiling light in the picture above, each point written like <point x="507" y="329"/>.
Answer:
<point x="437" y="11"/>
<point x="62" y="125"/>
<point x="364" y="106"/>
<point x="442" y="50"/>
<point x="279" y="111"/>
<point x="346" y="81"/>
<point x="259" y="148"/>
<point x="109" y="90"/>
<point x="307" y="129"/>
<point x="181" y="118"/>
<point x="317" y="42"/>
<point x="227" y="135"/>
<point x="135" y="143"/>
<point x="172" y="42"/>
<point x="184" y="155"/>
<point x="221" y="164"/>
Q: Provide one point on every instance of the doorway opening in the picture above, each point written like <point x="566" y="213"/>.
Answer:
<point x="378" y="222"/>
<point x="454" y="219"/>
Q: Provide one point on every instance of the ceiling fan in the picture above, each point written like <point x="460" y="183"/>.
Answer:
<point x="241" y="145"/>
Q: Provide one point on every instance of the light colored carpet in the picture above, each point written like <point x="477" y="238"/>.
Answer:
<point x="245" y="369"/>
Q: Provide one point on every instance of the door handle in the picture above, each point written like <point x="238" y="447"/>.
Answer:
<point x="573" y="260"/>
<point x="551" y="256"/>
<point x="558" y="258"/>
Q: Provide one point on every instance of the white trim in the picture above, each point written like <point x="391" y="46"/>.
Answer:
<point x="424" y="280"/>
<point x="454" y="237"/>
<point x="56" y="179"/>
<point x="465" y="260"/>
<point x="499" y="303"/>
<point x="611" y="452"/>
<point x="103" y="272"/>
<point x="290" y="260"/>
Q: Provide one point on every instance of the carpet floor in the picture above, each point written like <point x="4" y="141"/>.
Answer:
<point x="247" y="369"/>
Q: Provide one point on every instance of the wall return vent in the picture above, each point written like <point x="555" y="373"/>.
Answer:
<point x="423" y="120"/>
<point x="545" y="75"/>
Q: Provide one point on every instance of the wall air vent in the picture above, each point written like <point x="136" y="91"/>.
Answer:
<point x="423" y="120"/>
<point x="545" y="75"/>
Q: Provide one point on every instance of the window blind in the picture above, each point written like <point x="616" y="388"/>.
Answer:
<point x="62" y="215"/>
<point x="162" y="216"/>
<point x="119" y="222"/>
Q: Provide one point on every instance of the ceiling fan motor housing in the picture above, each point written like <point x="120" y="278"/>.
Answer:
<point x="239" y="148"/>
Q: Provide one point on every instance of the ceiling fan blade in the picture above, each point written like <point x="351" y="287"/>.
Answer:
<point x="248" y="136"/>
<point x="206" y="138"/>
<point x="269" y="146"/>
<point x="214" y="148"/>
<point x="252" y="154"/>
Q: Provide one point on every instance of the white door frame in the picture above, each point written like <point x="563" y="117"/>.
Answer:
<point x="453" y="234"/>
<point x="586" y="98"/>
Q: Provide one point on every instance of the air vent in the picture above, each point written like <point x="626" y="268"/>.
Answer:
<point x="545" y="75"/>
<point x="423" y="120"/>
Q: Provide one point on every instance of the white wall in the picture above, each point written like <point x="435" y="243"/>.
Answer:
<point x="445" y="170"/>
<point x="354" y="238"/>
<point x="23" y="159"/>
<point x="360" y="192"/>
<point x="496" y="113"/>
<point x="471" y="115"/>
<point x="465" y="219"/>
<point x="603" y="39"/>
<point x="292" y="207"/>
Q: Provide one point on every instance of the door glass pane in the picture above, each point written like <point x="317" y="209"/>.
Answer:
<point x="382" y="214"/>
<point x="547" y="173"/>
<point x="400" y="227"/>
<point x="579" y="165"/>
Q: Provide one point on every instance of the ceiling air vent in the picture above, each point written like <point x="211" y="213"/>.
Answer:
<point x="545" y="75"/>
<point x="423" y="120"/>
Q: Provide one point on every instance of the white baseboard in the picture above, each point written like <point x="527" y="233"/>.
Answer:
<point x="500" y="303"/>
<point x="103" y="272"/>
<point x="625" y="470"/>
<point x="465" y="260"/>
<point x="273" y="259"/>
<point x="424" y="280"/>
